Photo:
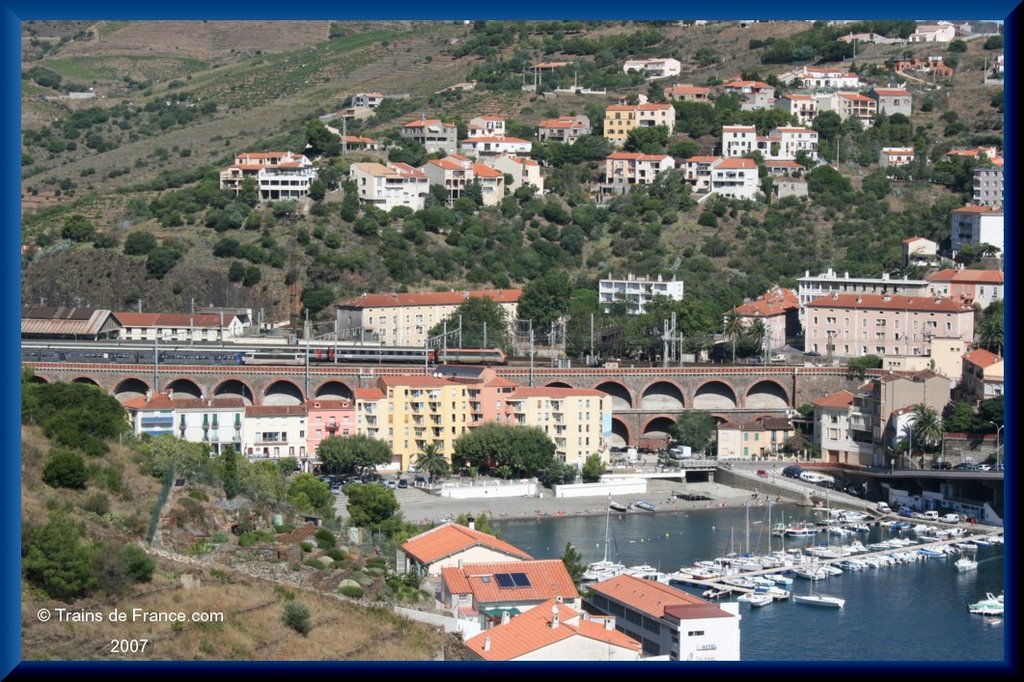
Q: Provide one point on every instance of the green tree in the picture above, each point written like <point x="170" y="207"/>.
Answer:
<point x="317" y="190"/>
<point x="341" y="454"/>
<point x="316" y="298"/>
<point x="958" y="46"/>
<point x="252" y="276"/>
<point x="695" y="428"/>
<point x="432" y="462"/>
<point x="475" y="312"/>
<point x="77" y="228"/>
<point x="160" y="260"/>
<point x="573" y="563"/>
<point x="734" y="328"/>
<point x="139" y="243"/>
<point x="991" y="410"/>
<point x="296" y="616"/>
<point x="249" y="191"/>
<point x="927" y="428"/>
<point x="263" y="483"/>
<point x="236" y="271"/>
<point x="593" y="469"/>
<point x="648" y="140"/>
<point x="321" y="140"/>
<point x="373" y="506"/>
<point x="959" y="417"/>
<point x="65" y="469"/>
<point x="526" y="451"/>
<point x="857" y="368"/>
<point x="311" y="495"/>
<point x="546" y="299"/>
<point x="138" y="563"/>
<point x="229" y="471"/>
<point x="990" y="331"/>
<point x="165" y="452"/>
<point x="55" y="560"/>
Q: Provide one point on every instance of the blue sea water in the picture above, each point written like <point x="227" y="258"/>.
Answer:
<point x="908" y="612"/>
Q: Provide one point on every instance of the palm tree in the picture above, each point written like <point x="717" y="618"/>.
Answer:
<point x="927" y="427"/>
<point x="990" y="334"/>
<point x="733" y="329"/>
<point x="758" y="332"/>
<point x="432" y="461"/>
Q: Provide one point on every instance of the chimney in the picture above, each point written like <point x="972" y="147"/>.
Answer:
<point x="471" y="523"/>
<point x="504" y="617"/>
<point x="554" y="617"/>
<point x="609" y="623"/>
<point x="487" y="643"/>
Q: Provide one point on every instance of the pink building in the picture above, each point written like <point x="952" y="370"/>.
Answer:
<point x="971" y="286"/>
<point x="850" y="325"/>
<point x="779" y="309"/>
<point x="327" y="418"/>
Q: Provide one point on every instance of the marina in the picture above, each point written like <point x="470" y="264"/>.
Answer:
<point x="887" y="590"/>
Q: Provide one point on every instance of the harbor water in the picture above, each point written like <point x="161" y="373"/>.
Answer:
<point x="907" y="612"/>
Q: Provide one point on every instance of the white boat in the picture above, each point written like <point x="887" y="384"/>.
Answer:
<point x="617" y="506"/>
<point x="820" y="600"/>
<point x="604" y="569"/>
<point x="965" y="563"/>
<point x="800" y="530"/>
<point x="646" y="572"/>
<point x="780" y="579"/>
<point x="989" y="606"/>
<point x="755" y="598"/>
<point x="811" y="573"/>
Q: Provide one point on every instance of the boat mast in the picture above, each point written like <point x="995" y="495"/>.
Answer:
<point x="607" y="525"/>
<point x="747" y="531"/>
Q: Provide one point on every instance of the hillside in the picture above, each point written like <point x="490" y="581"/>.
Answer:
<point x="168" y="113"/>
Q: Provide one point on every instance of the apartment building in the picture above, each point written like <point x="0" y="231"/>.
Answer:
<point x="486" y="126"/>
<point x="780" y="144"/>
<point x="423" y="410"/>
<point x="970" y="286"/>
<point x="622" y="169"/>
<point x="274" y="432"/>
<point x="279" y="175"/>
<point x="811" y="287"/>
<point x="892" y="101"/>
<point x="973" y="225"/>
<point x="564" y="129"/>
<point x="619" y="119"/>
<point x="697" y="171"/>
<point x="435" y="135"/>
<point x="982" y="377"/>
<point x="327" y="418"/>
<point x="754" y="95"/>
<point x="850" y="325"/>
<point x="577" y="420"/>
<point x="524" y="171"/>
<point x="803" y="107"/>
<point x="735" y="178"/>
<point x="988" y="187"/>
<point x="482" y="147"/>
<point x="778" y="309"/>
<point x="455" y="173"/>
<point x="637" y="291"/>
<point x="684" y="92"/>
<point x="654" y="68"/>
<point x="761" y="437"/>
<point x="405" y="319"/>
<point x="389" y="185"/>
<point x="815" y="77"/>
<point x="850" y="105"/>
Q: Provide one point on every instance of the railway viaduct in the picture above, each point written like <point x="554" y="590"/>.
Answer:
<point x="646" y="400"/>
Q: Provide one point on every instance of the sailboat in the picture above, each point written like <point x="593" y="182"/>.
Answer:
<point x="604" y="569"/>
<point x="819" y="599"/>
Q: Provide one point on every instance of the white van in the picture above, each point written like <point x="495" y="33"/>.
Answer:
<point x="883" y="507"/>
<point x="950" y="518"/>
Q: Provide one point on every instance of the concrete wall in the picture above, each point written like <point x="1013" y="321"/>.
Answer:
<point x="621" y="486"/>
<point x="489" y="491"/>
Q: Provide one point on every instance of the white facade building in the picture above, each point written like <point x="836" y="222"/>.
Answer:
<point x="637" y="291"/>
<point x="736" y="178"/>
<point x="895" y="156"/>
<point x="654" y="68"/>
<point x="781" y="144"/>
<point x="972" y="225"/>
<point x="524" y="171"/>
<point x="942" y="32"/>
<point x="836" y="78"/>
<point x="811" y="287"/>
<point x="274" y="432"/>
<point x="988" y="187"/>
<point x="389" y="185"/>
<point x="495" y="146"/>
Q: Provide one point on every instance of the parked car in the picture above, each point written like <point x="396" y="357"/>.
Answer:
<point x="402" y="483"/>
<point x="965" y="466"/>
<point x="792" y="471"/>
<point x="762" y="473"/>
<point x="983" y="467"/>
<point x="391" y="483"/>
<point x="944" y="466"/>
<point x="756" y="360"/>
<point x="812" y="354"/>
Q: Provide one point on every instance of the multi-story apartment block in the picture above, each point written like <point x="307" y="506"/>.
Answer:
<point x="217" y="422"/>
<point x="279" y="175"/>
<point x="435" y="135"/>
<point x="177" y="326"/>
<point x="654" y="68"/>
<point x="850" y="105"/>
<point x="971" y="286"/>
<point x="803" y="107"/>
<point x="274" y="432"/>
<point x="754" y="95"/>
<point x="389" y="185"/>
<point x="832" y="432"/>
<point x="778" y="309"/>
<point x="973" y="225"/>
<point x="423" y="410"/>
<point x="367" y="99"/>
<point x="619" y="119"/>
<point x="781" y="144"/>
<point x="405" y="319"/>
<point x="685" y="92"/>
<point x="482" y="147"/>
<point x="455" y="173"/>
<point x="988" y="187"/>
<point x="982" y="377"/>
<point x="697" y="171"/>
<point x="486" y="126"/>
<point x="636" y="292"/>
<point x="564" y="129"/>
<point x="326" y="418"/>
<point x="632" y="168"/>
<point x="736" y="178"/>
<point x="850" y="325"/>
<point x="812" y="287"/>
<point x="834" y="77"/>
<point x="524" y="171"/>
<point x="895" y="156"/>
<point x="892" y="101"/>
<point x="577" y="420"/>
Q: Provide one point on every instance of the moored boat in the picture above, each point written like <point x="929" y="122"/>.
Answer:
<point x="989" y="606"/>
<point x="820" y="600"/>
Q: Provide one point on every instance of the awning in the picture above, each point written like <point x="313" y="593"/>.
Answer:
<point x="496" y="612"/>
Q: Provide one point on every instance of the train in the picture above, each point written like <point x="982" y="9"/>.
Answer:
<point x="379" y="355"/>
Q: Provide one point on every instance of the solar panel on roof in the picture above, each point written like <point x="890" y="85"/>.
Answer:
<point x="520" y="579"/>
<point x="504" y="580"/>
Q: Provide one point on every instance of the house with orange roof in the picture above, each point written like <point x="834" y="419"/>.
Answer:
<point x="851" y="325"/>
<point x="619" y="119"/>
<point x="177" y="326"/>
<point x="761" y="437"/>
<point x="832" y="431"/>
<point x="451" y="545"/>
<point x="553" y="631"/>
<point x="975" y="225"/>
<point x="434" y="135"/>
<point x="850" y="105"/>
<point x="279" y="175"/>
<point x="919" y="251"/>
<point x="892" y="101"/>
<point x="697" y="171"/>
<point x="811" y="287"/>
<point x="524" y="171"/>
<point x="456" y="172"/>
<point x="623" y="169"/>
<point x="484" y="146"/>
<point x="803" y="107"/>
<point x="684" y="92"/>
<point x="667" y="621"/>
<point x="388" y="185"/>
<point x="492" y="183"/>
<point x="982" y="376"/>
<point x="895" y="156"/>
<point x="814" y="77"/>
<point x="486" y="126"/>
<point x="480" y="592"/>
<point x="735" y="178"/>
<point x="360" y="142"/>
<point x="564" y="129"/>
<point x="972" y="286"/>
<point x="216" y="422"/>
<point x="404" y="319"/>
<point x="577" y="420"/>
<point x="754" y="95"/>
<point x="779" y="310"/>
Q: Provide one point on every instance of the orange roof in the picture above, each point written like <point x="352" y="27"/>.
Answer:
<point x="415" y="381"/>
<point x="548" y="578"/>
<point x="482" y="171"/>
<point x="737" y="128"/>
<point x="965" y="209"/>
<point x="774" y="302"/>
<point x="369" y="394"/>
<point x="969" y="276"/>
<point x="652" y="598"/>
<point x="898" y="150"/>
<point x="636" y="156"/>
<point x="882" y="302"/>
<point x="177" y="320"/>
<point x="532" y="631"/>
<point x="451" y="538"/>
<point x="521" y="160"/>
<point x="684" y="89"/>
<point x="737" y="164"/>
<point x="555" y="392"/>
<point x="356" y="139"/>
<point x="322" y="404"/>
<point x="911" y="240"/>
<point x="488" y="118"/>
<point x="561" y="122"/>
<point x="703" y="159"/>
<point x="982" y="358"/>
<point x="421" y="298"/>
<point x="427" y="122"/>
<point x="796" y="129"/>
<point x="510" y="140"/>
<point x="756" y="85"/>
<point x="840" y="399"/>
<point x="855" y="96"/>
<point x="782" y="164"/>
<point x="275" y="411"/>
<point x="447" y="164"/>
<point x="638" y="107"/>
<point x="800" y="97"/>
<point x="891" y="92"/>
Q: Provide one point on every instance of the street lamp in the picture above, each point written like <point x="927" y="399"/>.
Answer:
<point x="999" y="427"/>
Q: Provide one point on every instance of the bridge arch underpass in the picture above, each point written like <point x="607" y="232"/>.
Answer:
<point x="334" y="390"/>
<point x="36" y="379"/>
<point x="766" y="394"/>
<point x="658" y="427"/>
<point x="621" y="397"/>
<point x="714" y="395"/>
<point x="557" y="384"/>
<point x="85" y="380"/>
<point x="282" y="392"/>
<point x="662" y="396"/>
<point x="184" y="388"/>
<point x="130" y="388"/>
<point x="620" y="434"/>
<point x="233" y="388"/>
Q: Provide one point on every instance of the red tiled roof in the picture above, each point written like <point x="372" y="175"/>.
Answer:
<point x="891" y="92"/>
<point x="415" y="381"/>
<point x="969" y="276"/>
<point x="782" y="164"/>
<point x="177" y="320"/>
<point x="879" y="302"/>
<point x="898" y="150"/>
<point x="756" y="85"/>
<point x="964" y="209"/>
<point x="636" y="156"/>
<point x="795" y="129"/>
<point x="982" y="358"/>
<point x="420" y="298"/>
<point x="911" y="240"/>
<point x="737" y="163"/>
<point x="684" y="89"/>
<point x="703" y="159"/>
<point x="275" y="411"/>
<point x="855" y="96"/>
<point x="840" y="399"/>
<point x="638" y="107"/>
<point x="510" y="140"/>
<point x="521" y="160"/>
<point x="737" y="129"/>
<point x="369" y="394"/>
<point x="427" y="122"/>
<point x="650" y="597"/>
<point x="488" y="118"/>
<point x="482" y="171"/>
<point x="774" y="302"/>
<point x="561" y="122"/>
<point x="450" y="538"/>
<point x="321" y="404"/>
<point x="548" y="578"/>
<point x="531" y="631"/>
<point x="555" y="392"/>
<point x="447" y="164"/>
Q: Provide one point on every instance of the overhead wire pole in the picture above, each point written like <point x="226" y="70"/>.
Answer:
<point x="531" y="353"/>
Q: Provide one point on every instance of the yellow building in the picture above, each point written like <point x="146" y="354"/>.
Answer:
<point x="619" y="119"/>
<point x="577" y="420"/>
<point x="762" y="437"/>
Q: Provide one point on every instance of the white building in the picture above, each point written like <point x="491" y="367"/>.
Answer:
<point x="622" y="169"/>
<point x="942" y="32"/>
<point x="833" y="433"/>
<point x="972" y="225"/>
<point x="371" y="100"/>
<point x="781" y="144"/>
<point x="564" y="129"/>
<point x="486" y="126"/>
<point x="279" y="175"/>
<point x="637" y="291"/>
<point x="754" y="95"/>
<point x="524" y="171"/>
<point x="697" y="171"/>
<point x="654" y="68"/>
<point x="274" y="431"/>
<point x="804" y="107"/>
<point x="988" y="187"/>
<point x="834" y="77"/>
<point x="435" y="135"/>
<point x="919" y="251"/>
<point x="895" y="156"/>
<point x="389" y="185"/>
<point x="178" y="326"/>
<point x="811" y="287"/>
<point x="736" y="178"/>
<point x="495" y="146"/>
<point x="668" y="621"/>
<point x="850" y="105"/>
